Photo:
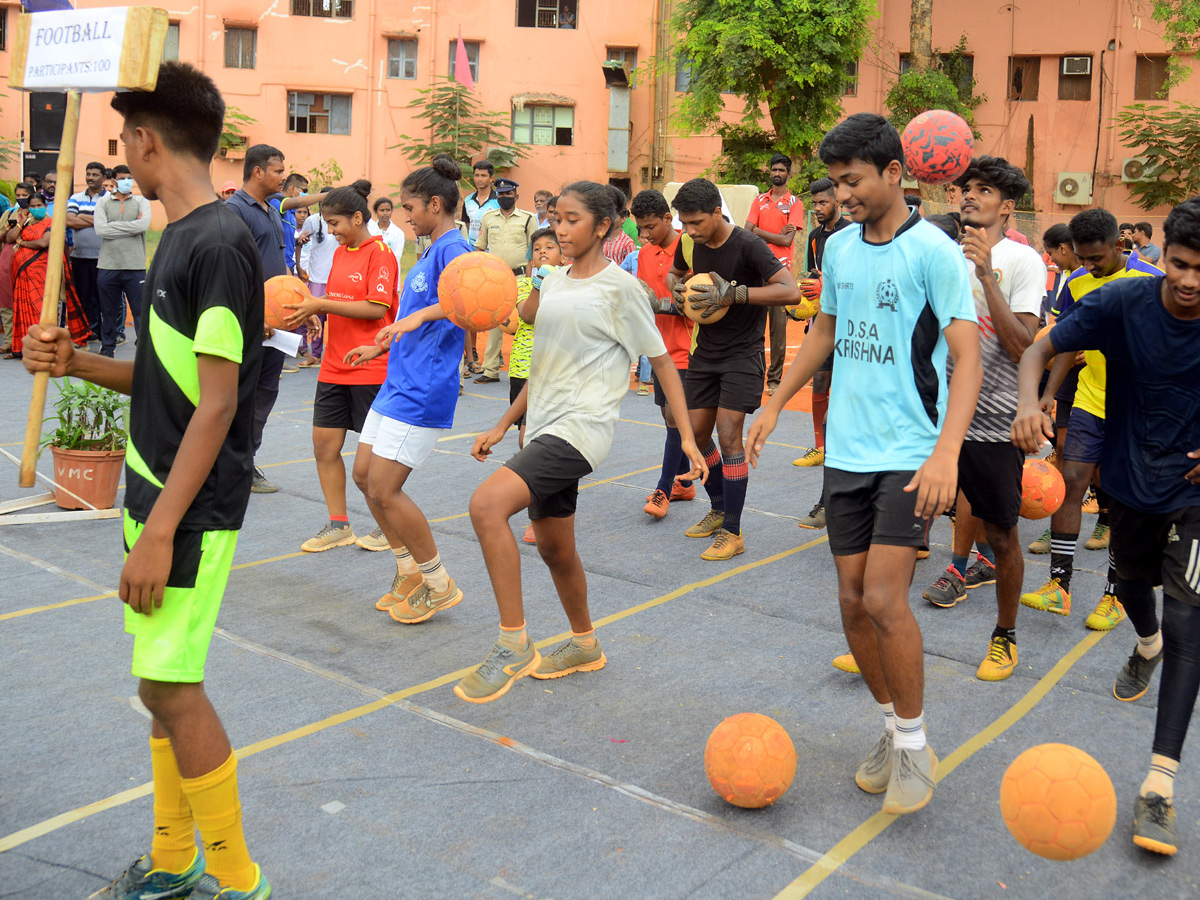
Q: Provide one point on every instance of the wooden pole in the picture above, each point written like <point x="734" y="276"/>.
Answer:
<point x="54" y="283"/>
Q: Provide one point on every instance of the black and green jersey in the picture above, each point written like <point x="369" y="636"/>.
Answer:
<point x="203" y="294"/>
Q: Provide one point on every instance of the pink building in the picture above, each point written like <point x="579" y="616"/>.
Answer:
<point x="330" y="79"/>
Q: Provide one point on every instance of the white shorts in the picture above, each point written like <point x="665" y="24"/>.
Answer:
<point x="409" y="445"/>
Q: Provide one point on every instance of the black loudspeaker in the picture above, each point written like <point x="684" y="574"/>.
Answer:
<point x="40" y="162"/>
<point x="47" y="111"/>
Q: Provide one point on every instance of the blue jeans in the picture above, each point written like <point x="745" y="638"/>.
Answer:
<point x="115" y="286"/>
<point x="644" y="369"/>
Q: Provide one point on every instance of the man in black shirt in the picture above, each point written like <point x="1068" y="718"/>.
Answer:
<point x="830" y="220"/>
<point x="725" y="371"/>
<point x="188" y="471"/>
<point x="263" y="177"/>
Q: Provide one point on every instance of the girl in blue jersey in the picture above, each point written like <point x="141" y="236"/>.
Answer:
<point x="592" y="321"/>
<point x="415" y="405"/>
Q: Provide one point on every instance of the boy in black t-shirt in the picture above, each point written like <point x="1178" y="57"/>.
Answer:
<point x="1149" y="332"/>
<point x="188" y="472"/>
<point x="726" y="370"/>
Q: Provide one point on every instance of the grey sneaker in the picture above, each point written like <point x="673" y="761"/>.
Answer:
<point x="1154" y="824"/>
<point x="260" y="485"/>
<point x="708" y="526"/>
<point x="402" y="586"/>
<point x="569" y="657"/>
<point x="1134" y="678"/>
<point x="210" y="889"/>
<point x="374" y="541"/>
<point x="498" y="673"/>
<point x="815" y="518"/>
<point x="981" y="572"/>
<point x="141" y="882"/>
<point x="1042" y="544"/>
<point x="948" y="590"/>
<point x="875" y="771"/>
<point x="328" y="538"/>
<point x="911" y="786"/>
<point x="424" y="603"/>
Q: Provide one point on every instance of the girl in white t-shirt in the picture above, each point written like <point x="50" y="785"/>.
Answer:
<point x="593" y="320"/>
<point x="383" y="226"/>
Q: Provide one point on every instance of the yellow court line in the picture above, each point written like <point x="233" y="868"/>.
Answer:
<point x="874" y="826"/>
<point x="17" y="838"/>
<point x="37" y="609"/>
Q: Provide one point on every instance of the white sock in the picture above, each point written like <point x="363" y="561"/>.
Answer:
<point x="910" y="733"/>
<point x="1150" y="647"/>
<point x="405" y="564"/>
<point x="1161" y="779"/>
<point x="889" y="717"/>
<point x="435" y="574"/>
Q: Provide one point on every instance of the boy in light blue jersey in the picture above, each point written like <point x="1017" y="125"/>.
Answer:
<point x="895" y="297"/>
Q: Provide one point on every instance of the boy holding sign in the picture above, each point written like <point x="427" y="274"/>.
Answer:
<point x="188" y="475"/>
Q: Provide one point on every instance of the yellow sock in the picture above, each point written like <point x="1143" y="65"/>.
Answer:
<point x="174" y="845"/>
<point x="218" y="813"/>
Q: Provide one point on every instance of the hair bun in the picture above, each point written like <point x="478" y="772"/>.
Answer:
<point x="362" y="187"/>
<point x="445" y="166"/>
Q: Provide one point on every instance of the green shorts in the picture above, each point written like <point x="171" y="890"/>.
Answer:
<point x="171" y="643"/>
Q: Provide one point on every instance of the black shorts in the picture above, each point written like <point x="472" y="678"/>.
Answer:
<point x="343" y="405"/>
<point x="865" y="508"/>
<point x="551" y="469"/>
<point x="660" y="399"/>
<point x="514" y="387"/>
<point x="989" y="475"/>
<point x="1064" y="398"/>
<point x="826" y="366"/>
<point x="733" y="383"/>
<point x="1161" y="548"/>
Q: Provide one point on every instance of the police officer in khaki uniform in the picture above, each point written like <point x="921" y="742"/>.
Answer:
<point x="505" y="232"/>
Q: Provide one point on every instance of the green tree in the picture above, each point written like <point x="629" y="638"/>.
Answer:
<point x="1181" y="31"/>
<point x="1169" y="139"/>
<point x="459" y="125"/>
<point x="232" y="136"/>
<point x="946" y="83"/>
<point x="791" y="56"/>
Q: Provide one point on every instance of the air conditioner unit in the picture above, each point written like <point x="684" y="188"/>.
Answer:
<point x="1073" y="189"/>
<point x="1077" y="65"/>
<point x="1135" y="168"/>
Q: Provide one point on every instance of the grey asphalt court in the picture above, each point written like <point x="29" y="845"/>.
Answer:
<point x="363" y="775"/>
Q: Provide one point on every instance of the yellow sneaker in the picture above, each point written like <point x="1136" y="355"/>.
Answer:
<point x="402" y="586"/>
<point x="726" y="545"/>
<point x="708" y="526"/>
<point x="1108" y="614"/>
<point x="1091" y="505"/>
<point x="846" y="663"/>
<point x="1050" y="597"/>
<point x="814" y="457"/>
<point x="1000" y="661"/>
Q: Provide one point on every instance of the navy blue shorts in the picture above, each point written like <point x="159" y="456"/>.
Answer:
<point x="1085" y="437"/>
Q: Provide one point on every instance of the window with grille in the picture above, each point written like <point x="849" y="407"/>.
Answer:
<point x="1024" y="73"/>
<point x="1150" y="78"/>
<point x="850" y="85"/>
<point x="112" y="147"/>
<point x="548" y="126"/>
<point x="472" y="58"/>
<point x="684" y="72"/>
<point x="545" y="14"/>
<point x="241" y="48"/>
<point x="171" y="44"/>
<point x="626" y="55"/>
<point x="1074" y="87"/>
<point x="311" y="113"/>
<point x="324" y="9"/>
<point x="3" y="28"/>
<point x="402" y="59"/>
<point x="964" y="80"/>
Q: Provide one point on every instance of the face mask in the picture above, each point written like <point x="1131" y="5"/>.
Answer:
<point x="777" y="180"/>
<point x="23" y="202"/>
<point x="506" y="202"/>
<point x="38" y="213"/>
<point x="124" y="185"/>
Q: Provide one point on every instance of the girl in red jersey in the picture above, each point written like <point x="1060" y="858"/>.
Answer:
<point x="360" y="298"/>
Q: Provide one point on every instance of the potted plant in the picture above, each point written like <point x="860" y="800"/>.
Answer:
<point x="88" y="446"/>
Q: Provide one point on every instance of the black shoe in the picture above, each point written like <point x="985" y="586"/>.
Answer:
<point x="1154" y="824"/>
<point x="107" y="353"/>
<point x="486" y="379"/>
<point x="1134" y="678"/>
